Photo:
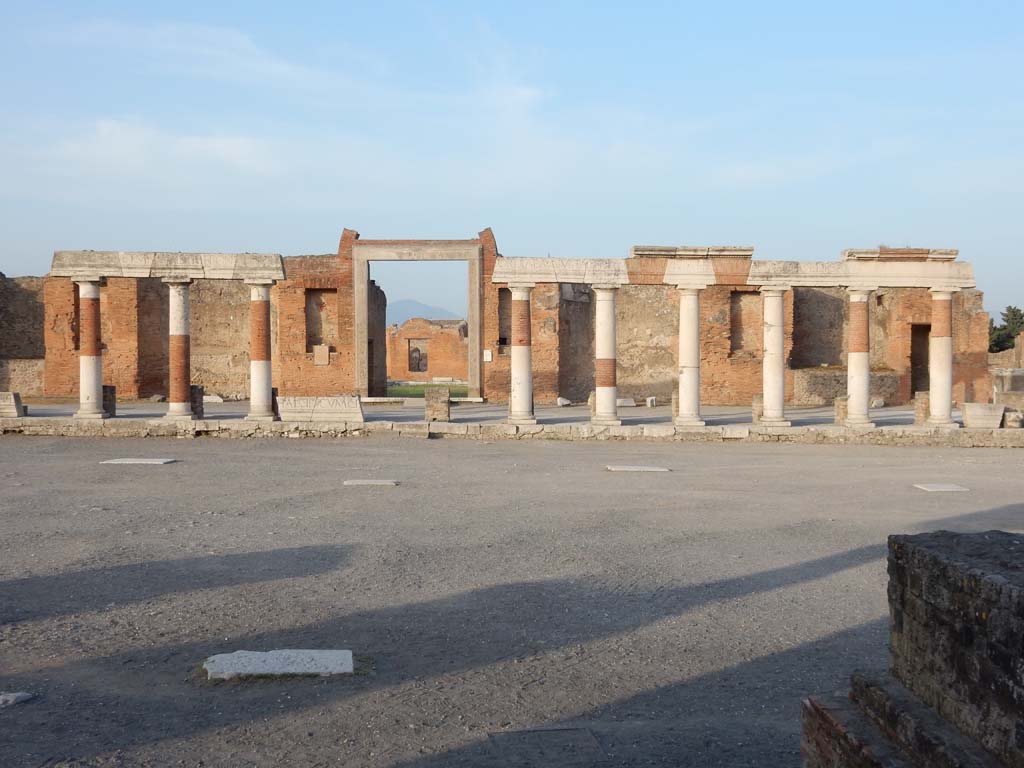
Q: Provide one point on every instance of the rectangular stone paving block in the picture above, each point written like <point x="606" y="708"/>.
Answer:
<point x="370" y="482"/>
<point x="281" y="663"/>
<point x="941" y="487"/>
<point x="139" y="461"/>
<point x="634" y="468"/>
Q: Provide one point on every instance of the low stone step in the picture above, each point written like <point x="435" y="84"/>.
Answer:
<point x="917" y="730"/>
<point x="836" y="734"/>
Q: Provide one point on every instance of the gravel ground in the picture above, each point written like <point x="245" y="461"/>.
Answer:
<point x="509" y="604"/>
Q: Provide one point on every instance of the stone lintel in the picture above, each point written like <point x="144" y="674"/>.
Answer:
<point x="440" y="250"/>
<point x="215" y="266"/>
<point x="556" y="270"/>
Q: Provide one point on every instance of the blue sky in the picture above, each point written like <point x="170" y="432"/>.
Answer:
<point x="572" y="129"/>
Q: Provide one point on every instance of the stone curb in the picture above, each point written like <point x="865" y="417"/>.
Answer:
<point x="240" y="428"/>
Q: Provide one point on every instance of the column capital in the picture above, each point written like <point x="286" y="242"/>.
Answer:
<point x="688" y="291"/>
<point x="521" y="291"/>
<point x="176" y="280"/>
<point x="773" y="290"/>
<point x="605" y="286"/>
<point x="860" y="294"/>
<point x="942" y="294"/>
<point x="259" y="281"/>
<point x="97" y="280"/>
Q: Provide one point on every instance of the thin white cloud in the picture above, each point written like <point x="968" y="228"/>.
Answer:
<point x="212" y="52"/>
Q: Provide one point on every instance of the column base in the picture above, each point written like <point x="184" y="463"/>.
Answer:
<point x="525" y="421"/>
<point x="260" y="417"/>
<point x="180" y="417"/>
<point x="600" y="421"/>
<point x="859" y="424"/>
<point x="688" y="421"/>
<point x="763" y="422"/>
<point x="943" y="424"/>
<point x="92" y="415"/>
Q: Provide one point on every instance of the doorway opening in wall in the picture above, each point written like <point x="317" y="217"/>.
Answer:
<point x="425" y="329"/>
<point x="919" y="335"/>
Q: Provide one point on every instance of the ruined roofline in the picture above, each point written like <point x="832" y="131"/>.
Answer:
<point x="691" y="251"/>
<point x="900" y="254"/>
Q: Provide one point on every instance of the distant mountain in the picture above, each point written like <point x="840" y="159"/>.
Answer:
<point x="406" y="309"/>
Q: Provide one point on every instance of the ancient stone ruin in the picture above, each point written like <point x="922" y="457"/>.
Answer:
<point x="954" y="693"/>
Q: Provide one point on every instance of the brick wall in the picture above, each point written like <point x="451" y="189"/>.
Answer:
<point x="447" y="349"/>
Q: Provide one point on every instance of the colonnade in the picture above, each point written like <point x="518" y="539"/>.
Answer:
<point x="773" y="357"/>
<point x="179" y="401"/>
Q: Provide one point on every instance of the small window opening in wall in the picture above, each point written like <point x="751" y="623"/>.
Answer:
<point x="321" y="318"/>
<point x="504" y="316"/>
<point x="418" y="355"/>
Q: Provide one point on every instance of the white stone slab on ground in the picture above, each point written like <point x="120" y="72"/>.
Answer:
<point x="635" y="468"/>
<point x="941" y="487"/>
<point x="282" y="663"/>
<point x="139" y="461"/>
<point x="370" y="482"/>
<point x="10" y="699"/>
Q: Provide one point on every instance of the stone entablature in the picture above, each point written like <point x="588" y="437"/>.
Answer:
<point x="703" y="266"/>
<point x="92" y="265"/>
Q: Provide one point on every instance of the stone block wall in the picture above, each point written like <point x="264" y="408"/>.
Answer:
<point x="955" y="696"/>
<point x="447" y="346"/>
<point x="957" y="635"/>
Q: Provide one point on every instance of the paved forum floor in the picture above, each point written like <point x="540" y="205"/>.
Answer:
<point x="509" y="604"/>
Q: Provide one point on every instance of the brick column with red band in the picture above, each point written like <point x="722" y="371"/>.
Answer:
<point x="605" y="390"/>
<point x="520" y="402"/>
<point x="261" y="405"/>
<point x="858" y="365"/>
<point x="90" y="355"/>
<point x="179" y="405"/>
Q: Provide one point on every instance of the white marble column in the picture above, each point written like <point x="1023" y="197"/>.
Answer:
<point x="179" y="369"/>
<point x="940" y="360"/>
<point x="689" y="359"/>
<point x="773" y="366"/>
<point x="858" y="365"/>
<point x="520" y="403"/>
<point x="261" y="406"/>
<point x="606" y="412"/>
<point x="90" y="355"/>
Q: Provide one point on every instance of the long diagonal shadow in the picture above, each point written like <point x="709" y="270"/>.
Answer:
<point x="746" y="714"/>
<point x="37" y="597"/>
<point x="143" y="695"/>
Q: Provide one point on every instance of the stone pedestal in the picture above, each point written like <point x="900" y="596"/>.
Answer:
<point x="437" y="404"/>
<point x="841" y="409"/>
<point x="922" y="408"/>
<point x="110" y="400"/>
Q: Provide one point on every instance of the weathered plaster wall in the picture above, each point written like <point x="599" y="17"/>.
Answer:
<point x="576" y="342"/>
<point x="819" y="327"/>
<point x="447" y="349"/>
<point x="21" y="317"/>
<point x="22" y="347"/>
